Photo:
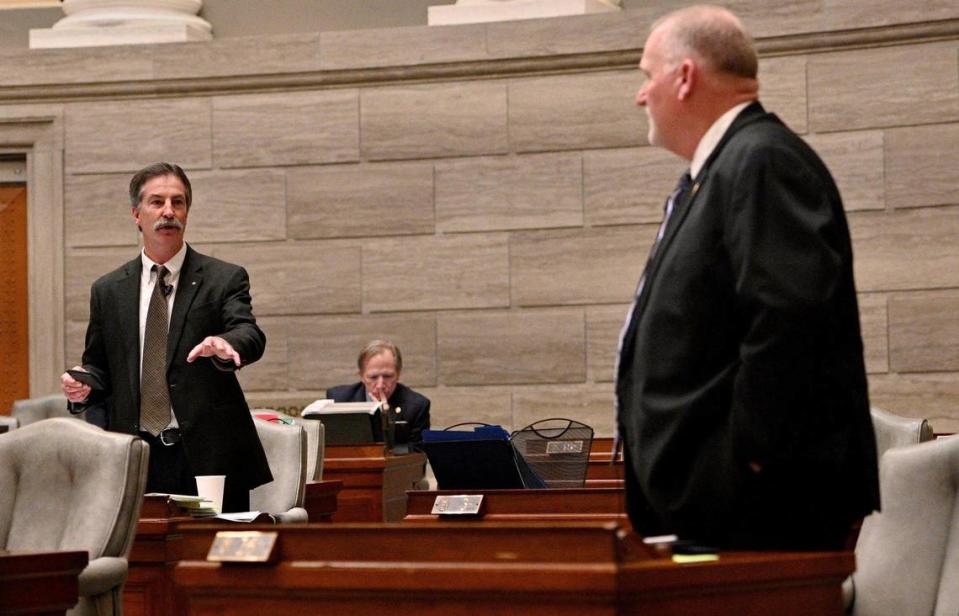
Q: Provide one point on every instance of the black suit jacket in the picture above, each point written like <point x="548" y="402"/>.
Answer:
<point x="414" y="407"/>
<point x="212" y="298"/>
<point x="744" y="347"/>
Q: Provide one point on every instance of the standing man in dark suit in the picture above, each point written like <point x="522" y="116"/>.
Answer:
<point x="167" y="332"/>
<point x="741" y="389"/>
<point x="380" y="364"/>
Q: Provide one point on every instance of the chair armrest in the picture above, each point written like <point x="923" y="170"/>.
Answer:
<point x="296" y="515"/>
<point x="102" y="574"/>
<point x="848" y="594"/>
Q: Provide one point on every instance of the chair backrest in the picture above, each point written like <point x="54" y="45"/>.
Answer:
<point x="315" y="440"/>
<point x="557" y="450"/>
<point x="896" y="431"/>
<point x="907" y="555"/>
<point x="285" y="447"/>
<point x="315" y="447"/>
<point x="31" y="410"/>
<point x="67" y="485"/>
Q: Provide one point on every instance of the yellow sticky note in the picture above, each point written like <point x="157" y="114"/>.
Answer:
<point x="685" y="559"/>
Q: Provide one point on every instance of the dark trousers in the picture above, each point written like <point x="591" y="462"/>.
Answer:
<point x="170" y="473"/>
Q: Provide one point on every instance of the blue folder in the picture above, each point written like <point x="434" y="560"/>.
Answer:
<point x="479" y="459"/>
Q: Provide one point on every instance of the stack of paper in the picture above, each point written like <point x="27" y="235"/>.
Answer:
<point x="194" y="505"/>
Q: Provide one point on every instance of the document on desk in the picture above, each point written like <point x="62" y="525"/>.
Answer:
<point x="195" y="506"/>
<point x="239" y="516"/>
<point x="323" y="407"/>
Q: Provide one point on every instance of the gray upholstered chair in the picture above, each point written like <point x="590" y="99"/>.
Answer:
<point x="67" y="485"/>
<point x="892" y="431"/>
<point x="285" y="447"/>
<point x="896" y="431"/>
<point x="908" y="555"/>
<point x="11" y="423"/>
<point x="31" y="410"/>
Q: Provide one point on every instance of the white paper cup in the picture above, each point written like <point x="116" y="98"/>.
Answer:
<point x="210" y="487"/>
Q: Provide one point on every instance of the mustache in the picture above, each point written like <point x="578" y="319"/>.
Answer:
<point x="164" y="223"/>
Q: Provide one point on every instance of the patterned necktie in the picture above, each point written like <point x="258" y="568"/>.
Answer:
<point x="677" y="196"/>
<point x="154" y="395"/>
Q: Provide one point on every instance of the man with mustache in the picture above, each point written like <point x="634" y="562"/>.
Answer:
<point x="167" y="332"/>
<point x="741" y="389"/>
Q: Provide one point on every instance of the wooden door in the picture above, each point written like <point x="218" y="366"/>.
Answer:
<point x="14" y="328"/>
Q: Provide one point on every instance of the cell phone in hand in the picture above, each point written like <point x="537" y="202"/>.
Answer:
<point x="85" y="377"/>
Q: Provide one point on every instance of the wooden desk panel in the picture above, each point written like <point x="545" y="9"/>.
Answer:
<point x="439" y="542"/>
<point x="574" y="504"/>
<point x="149" y="588"/>
<point x="743" y="583"/>
<point x="40" y="582"/>
<point x="499" y="569"/>
<point x="599" y="466"/>
<point x="374" y="483"/>
<point x="320" y="500"/>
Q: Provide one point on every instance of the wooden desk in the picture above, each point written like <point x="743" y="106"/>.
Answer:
<point x="553" y="569"/>
<point x="574" y="504"/>
<point x="40" y="582"/>
<point x="374" y="483"/>
<point x="149" y="589"/>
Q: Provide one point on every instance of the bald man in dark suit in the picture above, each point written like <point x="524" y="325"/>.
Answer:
<point x="741" y="388"/>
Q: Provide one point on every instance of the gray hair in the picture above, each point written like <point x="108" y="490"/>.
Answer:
<point x="158" y="170"/>
<point x="712" y="34"/>
<point x="376" y="347"/>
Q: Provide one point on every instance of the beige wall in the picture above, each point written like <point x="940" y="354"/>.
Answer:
<point x="484" y="195"/>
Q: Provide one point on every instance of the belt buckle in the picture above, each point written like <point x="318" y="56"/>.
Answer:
<point x="174" y="437"/>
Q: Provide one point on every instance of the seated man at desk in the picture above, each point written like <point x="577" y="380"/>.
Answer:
<point x="380" y="364"/>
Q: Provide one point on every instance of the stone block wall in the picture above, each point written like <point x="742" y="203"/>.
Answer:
<point x="485" y="197"/>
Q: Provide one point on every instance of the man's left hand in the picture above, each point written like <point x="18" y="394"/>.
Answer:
<point x="214" y="346"/>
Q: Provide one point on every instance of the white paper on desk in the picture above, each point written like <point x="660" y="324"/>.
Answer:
<point x="329" y="407"/>
<point x="178" y="498"/>
<point x="239" y="516"/>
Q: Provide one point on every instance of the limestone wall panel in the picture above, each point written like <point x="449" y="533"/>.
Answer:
<point x="289" y="128"/>
<point x="360" y="200"/>
<point x="500" y="193"/>
<point x="433" y="121"/>
<point x="497" y="348"/>
<point x="470" y="271"/>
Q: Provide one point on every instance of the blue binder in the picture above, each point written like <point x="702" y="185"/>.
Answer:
<point x="479" y="459"/>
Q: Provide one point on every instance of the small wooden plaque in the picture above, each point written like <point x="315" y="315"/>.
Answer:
<point x="459" y="504"/>
<point x="243" y="547"/>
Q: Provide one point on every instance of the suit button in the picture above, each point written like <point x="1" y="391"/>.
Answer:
<point x="172" y="385"/>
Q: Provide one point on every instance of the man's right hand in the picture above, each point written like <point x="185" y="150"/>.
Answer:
<point x="74" y="390"/>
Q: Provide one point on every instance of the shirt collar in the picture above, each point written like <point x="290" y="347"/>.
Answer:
<point x="711" y="139"/>
<point x="173" y="265"/>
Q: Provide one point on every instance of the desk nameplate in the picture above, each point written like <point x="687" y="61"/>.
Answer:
<point x="458" y="504"/>
<point x="243" y="547"/>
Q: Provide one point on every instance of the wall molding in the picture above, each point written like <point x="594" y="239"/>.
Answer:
<point x="813" y="43"/>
